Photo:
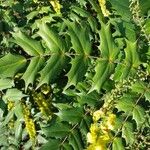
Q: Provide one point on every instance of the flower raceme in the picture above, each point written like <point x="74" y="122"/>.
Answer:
<point x="30" y="126"/>
<point x="99" y="135"/>
<point x="102" y="4"/>
<point x="56" y="5"/>
<point x="43" y="104"/>
<point x="10" y="105"/>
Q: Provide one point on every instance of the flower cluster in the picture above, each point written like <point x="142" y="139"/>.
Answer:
<point x="10" y="105"/>
<point x="43" y="104"/>
<point x="30" y="126"/>
<point x="100" y="131"/>
<point x="102" y="4"/>
<point x="56" y="5"/>
<point x="138" y="18"/>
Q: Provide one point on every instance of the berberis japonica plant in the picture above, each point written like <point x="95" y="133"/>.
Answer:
<point x="74" y="74"/>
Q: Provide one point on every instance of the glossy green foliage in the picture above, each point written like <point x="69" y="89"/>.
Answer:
<point x="64" y="66"/>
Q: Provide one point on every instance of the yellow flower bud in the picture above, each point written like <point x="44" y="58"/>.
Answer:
<point x="97" y="115"/>
<point x="96" y="147"/>
<point x="102" y="4"/>
<point x="56" y="5"/>
<point x="91" y="137"/>
<point x="100" y="147"/>
<point x="10" y="104"/>
<point x="111" y="121"/>
<point x="94" y="128"/>
<point x="43" y="104"/>
<point x="103" y="139"/>
<point x="30" y="126"/>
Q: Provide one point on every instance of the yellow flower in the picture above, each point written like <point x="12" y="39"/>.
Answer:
<point x="56" y="5"/>
<point x="45" y="89"/>
<point x="97" y="115"/>
<point x="91" y="147"/>
<point x="35" y="1"/>
<point x="111" y="121"/>
<point x="94" y="128"/>
<point x="102" y="4"/>
<point x="30" y="126"/>
<point x="43" y="104"/>
<point x="104" y="128"/>
<point x="103" y="139"/>
<point x="91" y="138"/>
<point x="99" y="135"/>
<point x="96" y="147"/>
<point x="10" y="105"/>
<point x="100" y="147"/>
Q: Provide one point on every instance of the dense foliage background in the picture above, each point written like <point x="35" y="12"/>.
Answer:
<point x="74" y="74"/>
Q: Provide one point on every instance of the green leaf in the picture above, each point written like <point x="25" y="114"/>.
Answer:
<point x="129" y="30"/>
<point x="10" y="64"/>
<point x="29" y="45"/>
<point x="118" y="123"/>
<point x="103" y="70"/>
<point x="57" y="130"/>
<point x="51" y="145"/>
<point x="82" y="12"/>
<point x="84" y="128"/>
<point x="139" y="87"/>
<point x="147" y="95"/>
<point x="144" y="6"/>
<point x="75" y="140"/>
<point x="80" y="38"/>
<point x="53" y="68"/>
<point x="122" y="8"/>
<point x="18" y="130"/>
<point x="118" y="144"/>
<point x="132" y="56"/>
<point x="129" y="106"/>
<point x="8" y="117"/>
<point x="107" y="47"/>
<point x="32" y="14"/>
<point x="147" y="26"/>
<point x="6" y="83"/>
<point x="51" y="38"/>
<point x="90" y="99"/>
<point x="96" y="7"/>
<point x="32" y="70"/>
<point x="142" y="88"/>
<point x="78" y="70"/>
<point x="109" y="53"/>
<point x="130" y="63"/>
<point x="66" y="146"/>
<point x="3" y="139"/>
<point x="139" y="115"/>
<point x="126" y="104"/>
<point x="72" y="115"/>
<point x="128" y="133"/>
<point x="18" y="111"/>
<point x="13" y="95"/>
